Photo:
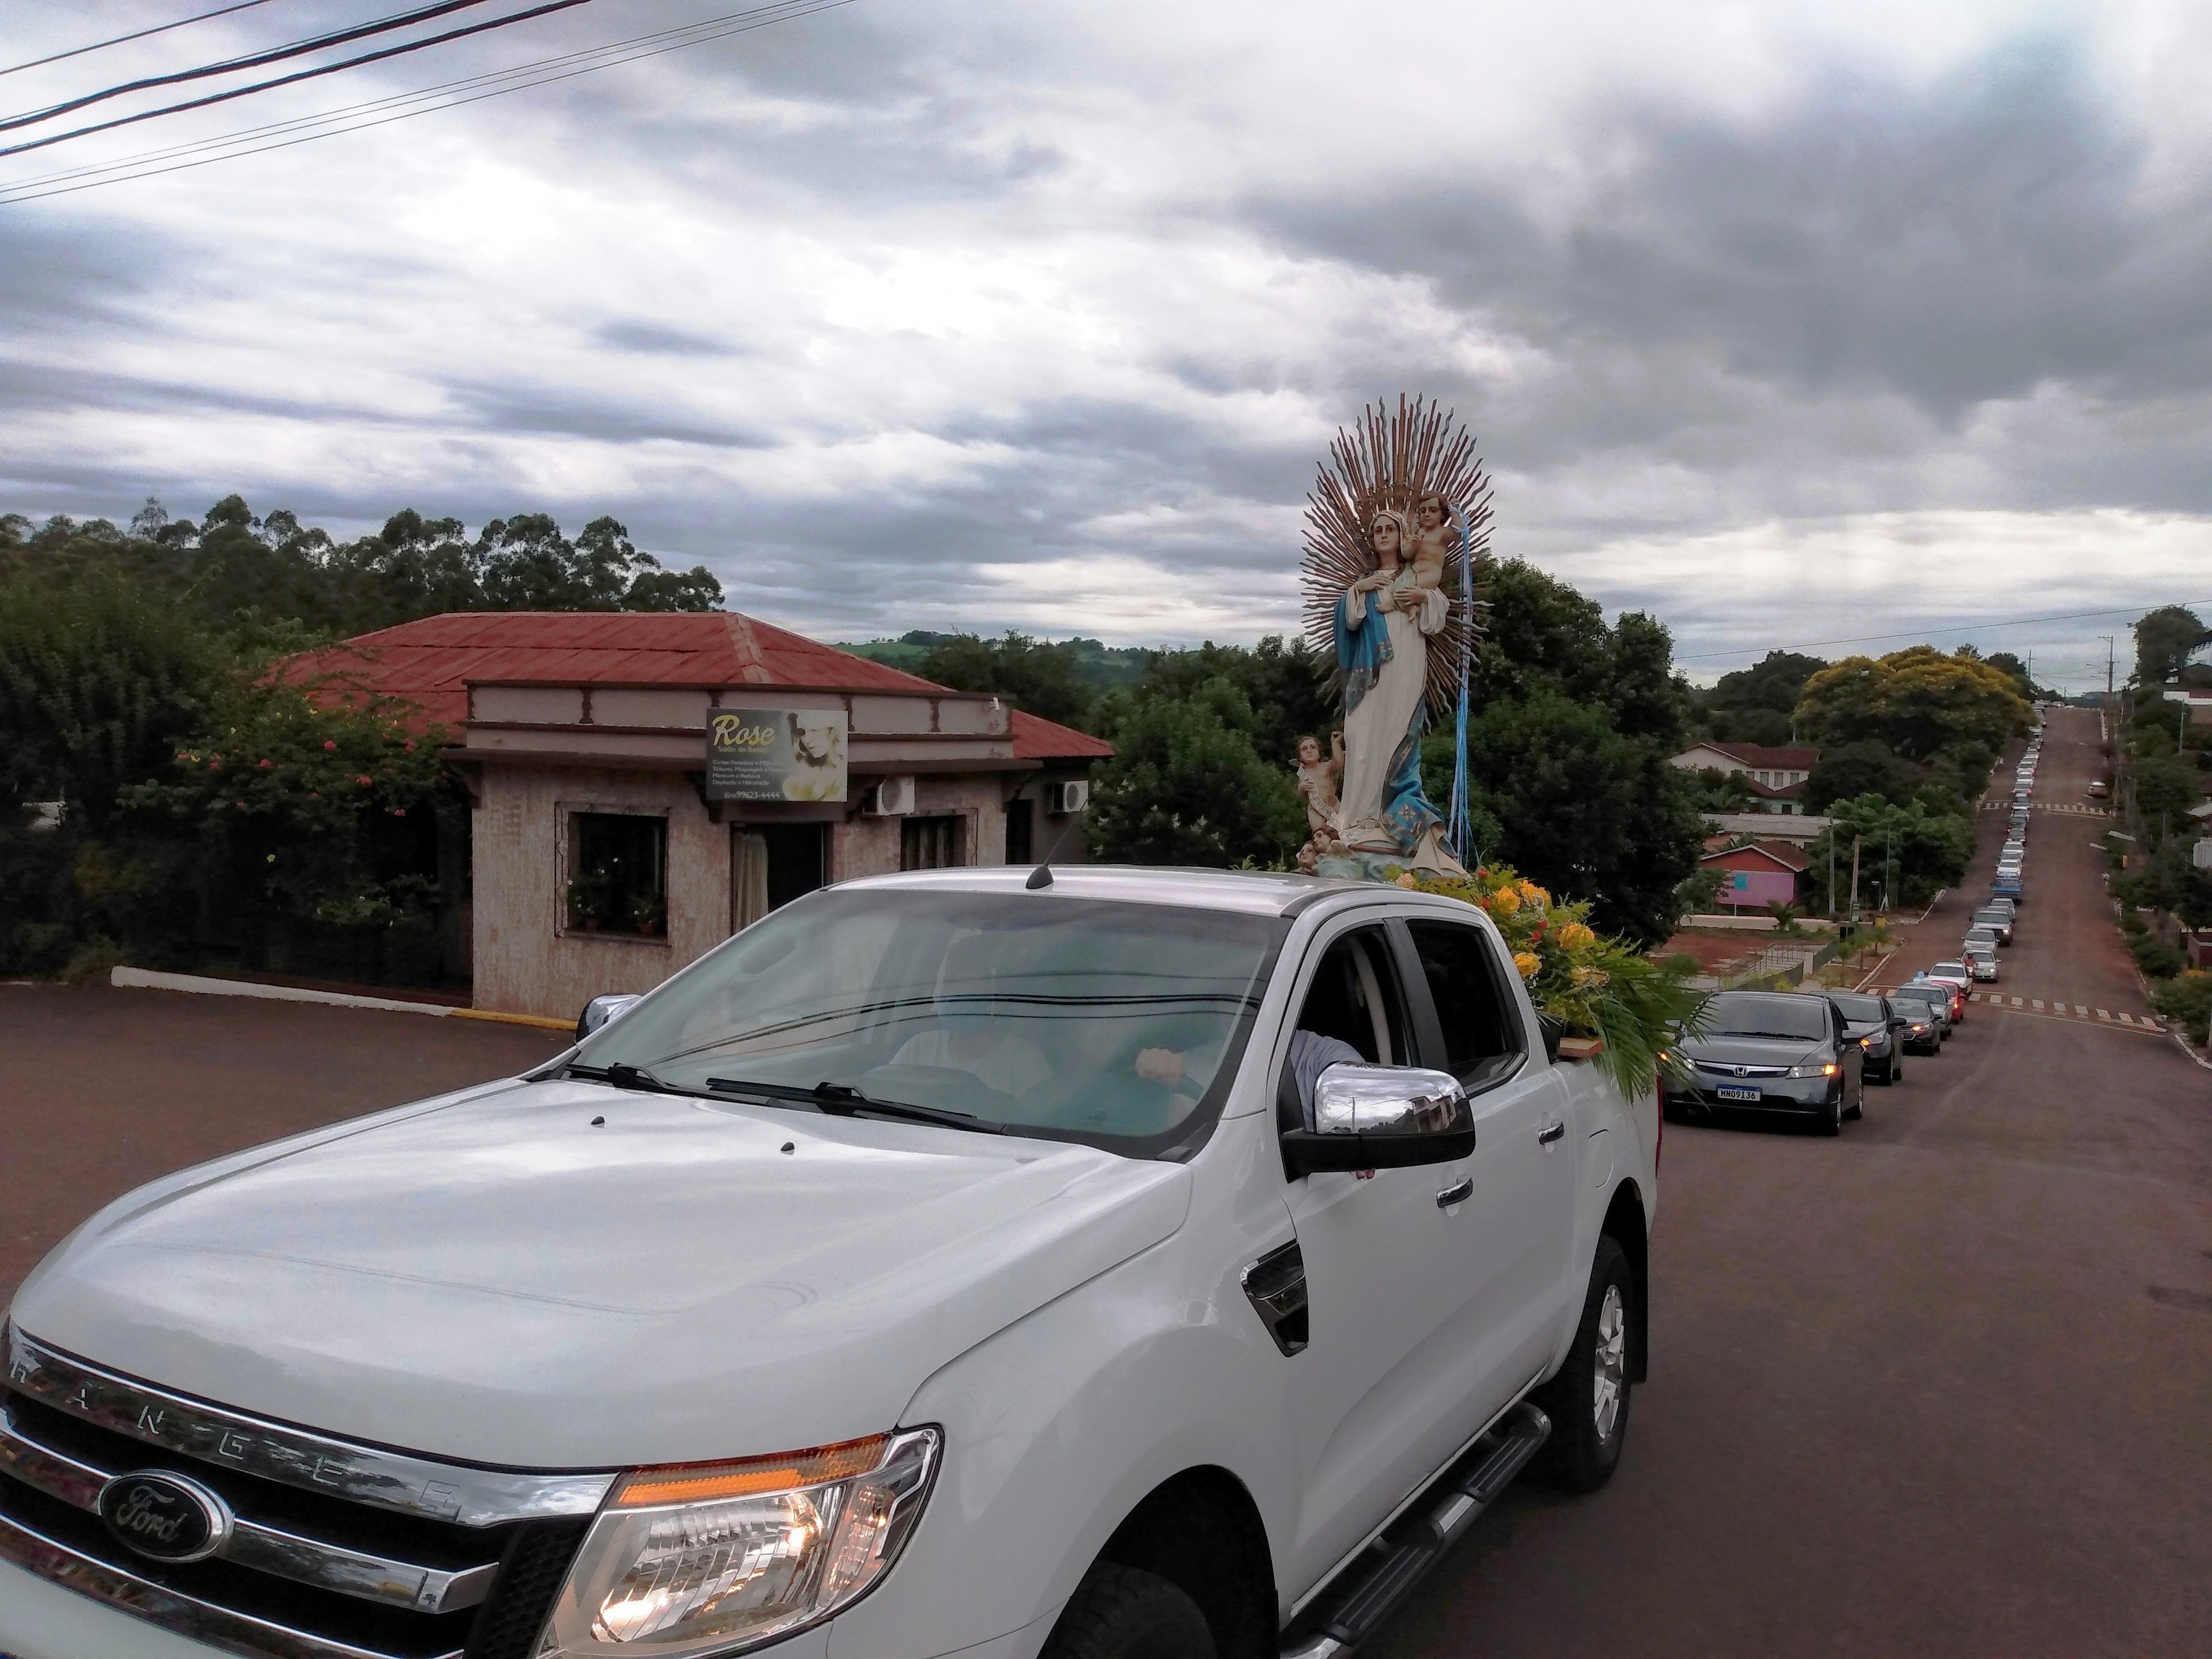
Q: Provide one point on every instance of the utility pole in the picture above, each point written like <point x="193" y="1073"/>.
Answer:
<point x="2109" y="654"/>
<point x="1854" y="880"/>
<point x="1832" y="873"/>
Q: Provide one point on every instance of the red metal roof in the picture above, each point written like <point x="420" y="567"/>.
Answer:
<point x="432" y="661"/>
<point x="1759" y="755"/>
<point x="1036" y="739"/>
<point x="1778" y="853"/>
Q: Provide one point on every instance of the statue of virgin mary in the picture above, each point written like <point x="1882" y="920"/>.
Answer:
<point x="1383" y="625"/>
<point x="1386" y="598"/>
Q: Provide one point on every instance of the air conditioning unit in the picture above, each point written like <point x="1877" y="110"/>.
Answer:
<point x="1061" y="799"/>
<point x="891" y="798"/>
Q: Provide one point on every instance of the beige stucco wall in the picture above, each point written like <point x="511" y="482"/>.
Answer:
<point x="525" y="962"/>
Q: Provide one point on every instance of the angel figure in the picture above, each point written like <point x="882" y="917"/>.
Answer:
<point x="1318" y="780"/>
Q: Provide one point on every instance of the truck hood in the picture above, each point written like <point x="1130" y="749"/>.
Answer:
<point x="501" y="1279"/>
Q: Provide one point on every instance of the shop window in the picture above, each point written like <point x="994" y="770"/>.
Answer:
<point x="1020" y="820"/>
<point x="930" y="844"/>
<point x="617" y="874"/>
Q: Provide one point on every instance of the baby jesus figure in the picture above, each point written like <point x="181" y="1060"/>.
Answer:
<point x="1432" y="543"/>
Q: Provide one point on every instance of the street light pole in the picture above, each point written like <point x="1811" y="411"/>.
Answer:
<point x="1855" y="879"/>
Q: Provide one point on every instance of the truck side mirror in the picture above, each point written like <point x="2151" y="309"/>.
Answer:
<point x="597" y="1012"/>
<point x="1380" y="1117"/>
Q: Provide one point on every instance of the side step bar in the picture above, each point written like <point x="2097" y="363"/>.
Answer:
<point x="1401" y="1557"/>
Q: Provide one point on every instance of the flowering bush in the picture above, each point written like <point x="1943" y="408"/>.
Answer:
<point x="290" y="781"/>
<point x="1589" y="984"/>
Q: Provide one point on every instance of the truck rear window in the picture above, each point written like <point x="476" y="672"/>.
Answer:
<point x="1115" y="1024"/>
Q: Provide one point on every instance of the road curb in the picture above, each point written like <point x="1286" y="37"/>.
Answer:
<point x="148" y="979"/>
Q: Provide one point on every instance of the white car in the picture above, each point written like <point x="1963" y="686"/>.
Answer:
<point x="1982" y="964"/>
<point x="1117" y="1263"/>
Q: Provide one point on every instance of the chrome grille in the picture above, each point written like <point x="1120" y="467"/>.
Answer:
<point x="337" y="1551"/>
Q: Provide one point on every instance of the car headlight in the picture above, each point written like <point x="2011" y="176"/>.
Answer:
<point x="1826" y="1068"/>
<point x="696" y="1559"/>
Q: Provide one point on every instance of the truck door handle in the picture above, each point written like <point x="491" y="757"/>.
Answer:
<point x="1550" y="1133"/>
<point x="1458" y="1193"/>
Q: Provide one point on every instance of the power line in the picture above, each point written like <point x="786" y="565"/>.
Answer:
<point x="237" y="144"/>
<point x="251" y="60"/>
<point x="401" y="50"/>
<point x="139" y="34"/>
<point x="1940" y="628"/>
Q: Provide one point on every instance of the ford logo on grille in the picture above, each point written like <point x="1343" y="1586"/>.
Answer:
<point x="165" y="1516"/>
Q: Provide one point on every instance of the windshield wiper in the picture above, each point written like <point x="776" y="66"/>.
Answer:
<point x="836" y="1100"/>
<point x="622" y="1075"/>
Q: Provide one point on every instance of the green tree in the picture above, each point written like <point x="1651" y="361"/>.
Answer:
<point x="1867" y="767"/>
<point x="1035" y="676"/>
<point x="98" y="683"/>
<point x="1187" y="786"/>
<point x="1909" y="845"/>
<point x="1772" y="684"/>
<point x="1281" y="681"/>
<point x="1582" y="809"/>
<point x="1916" y="701"/>
<point x="2164" y="638"/>
<point x="2165" y="788"/>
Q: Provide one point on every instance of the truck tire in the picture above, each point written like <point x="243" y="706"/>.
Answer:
<point x="1588" y="1400"/>
<point x="1121" y="1613"/>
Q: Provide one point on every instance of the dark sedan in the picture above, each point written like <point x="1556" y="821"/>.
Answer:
<point x="1770" y="1051"/>
<point x="1872" y="1023"/>
<point x="1927" y="1012"/>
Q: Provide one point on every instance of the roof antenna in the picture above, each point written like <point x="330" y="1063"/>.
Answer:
<point x="1042" y="876"/>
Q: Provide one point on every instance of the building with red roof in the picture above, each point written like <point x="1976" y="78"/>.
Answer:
<point x="1757" y="873"/>
<point x="643" y="784"/>
<point x="1775" y="776"/>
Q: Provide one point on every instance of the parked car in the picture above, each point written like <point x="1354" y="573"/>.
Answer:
<point x="1956" y="976"/>
<point x="1877" y="1027"/>
<point x="941" y="1265"/>
<point x="1999" y="922"/>
<point x="1982" y="962"/>
<point x="1774" y="1051"/>
<point x="2098" y="789"/>
<point x="1927" y="1010"/>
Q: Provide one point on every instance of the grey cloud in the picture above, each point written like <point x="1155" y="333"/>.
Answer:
<point x="1956" y="244"/>
<point x="648" y="337"/>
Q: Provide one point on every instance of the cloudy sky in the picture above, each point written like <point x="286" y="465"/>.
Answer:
<point x="1789" y="323"/>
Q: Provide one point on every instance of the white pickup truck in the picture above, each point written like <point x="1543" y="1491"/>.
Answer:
<point x="1106" y="1264"/>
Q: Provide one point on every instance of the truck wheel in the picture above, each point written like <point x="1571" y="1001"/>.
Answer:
<point x="1587" y="1400"/>
<point x="1120" y="1613"/>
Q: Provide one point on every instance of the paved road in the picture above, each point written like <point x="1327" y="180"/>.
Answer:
<point x="104" y="1090"/>
<point x="1941" y="1387"/>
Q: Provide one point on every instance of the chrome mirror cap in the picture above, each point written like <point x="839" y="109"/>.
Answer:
<point x="598" y="1011"/>
<point x="1353" y="1098"/>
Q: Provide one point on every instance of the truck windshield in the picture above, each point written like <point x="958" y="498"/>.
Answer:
<point x="1118" y="1026"/>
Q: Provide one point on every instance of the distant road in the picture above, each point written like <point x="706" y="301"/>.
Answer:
<point x="1937" y="1388"/>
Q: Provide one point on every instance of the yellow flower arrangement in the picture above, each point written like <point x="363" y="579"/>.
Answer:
<point x="1582" y="981"/>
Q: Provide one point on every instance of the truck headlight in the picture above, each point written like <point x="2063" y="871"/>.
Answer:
<point x="696" y="1560"/>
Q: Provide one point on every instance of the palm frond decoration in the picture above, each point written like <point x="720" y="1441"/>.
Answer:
<point x="1394" y="459"/>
